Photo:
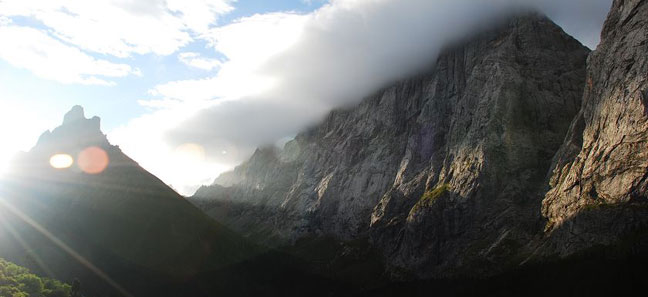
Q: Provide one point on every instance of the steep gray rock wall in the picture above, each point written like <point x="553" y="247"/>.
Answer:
<point x="441" y="171"/>
<point x="599" y="184"/>
<point x="498" y="116"/>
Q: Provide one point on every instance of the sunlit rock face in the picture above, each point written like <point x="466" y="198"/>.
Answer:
<point x="599" y="188"/>
<point x="444" y="172"/>
<point x="96" y="204"/>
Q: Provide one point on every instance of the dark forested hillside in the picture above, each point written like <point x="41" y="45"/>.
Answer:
<point x="16" y="281"/>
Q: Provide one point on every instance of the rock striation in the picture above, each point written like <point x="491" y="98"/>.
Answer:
<point x="599" y="186"/>
<point x="443" y="172"/>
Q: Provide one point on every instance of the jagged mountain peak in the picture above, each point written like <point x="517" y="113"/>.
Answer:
<point x="109" y="211"/>
<point x="75" y="132"/>
<point x="75" y="114"/>
<point x="443" y="174"/>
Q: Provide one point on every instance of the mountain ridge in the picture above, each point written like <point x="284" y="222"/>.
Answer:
<point x="598" y="182"/>
<point x="515" y="166"/>
<point x="107" y="220"/>
<point x="507" y="96"/>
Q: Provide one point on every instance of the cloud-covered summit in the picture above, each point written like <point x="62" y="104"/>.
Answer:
<point x="250" y="80"/>
<point x="285" y="71"/>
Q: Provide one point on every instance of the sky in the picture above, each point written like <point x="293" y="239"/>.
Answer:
<point x="189" y="88"/>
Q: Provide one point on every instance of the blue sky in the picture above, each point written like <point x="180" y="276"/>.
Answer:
<point x="116" y="105"/>
<point x="37" y="102"/>
<point x="189" y="88"/>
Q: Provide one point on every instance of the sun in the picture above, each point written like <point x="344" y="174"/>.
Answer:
<point x="4" y="166"/>
<point x="5" y="161"/>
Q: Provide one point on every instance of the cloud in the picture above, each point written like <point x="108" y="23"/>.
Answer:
<point x="247" y="44"/>
<point x="4" y="21"/>
<point x="198" y="15"/>
<point x="56" y="40"/>
<point x="195" y="60"/>
<point x="49" y="58"/>
<point x="582" y="19"/>
<point x="286" y="71"/>
<point x="143" y="140"/>
<point x="311" y="2"/>
<point x="122" y="27"/>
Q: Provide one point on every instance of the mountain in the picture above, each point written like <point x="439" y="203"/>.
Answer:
<point x="105" y="219"/>
<point x="442" y="172"/>
<point x="515" y="166"/>
<point x="520" y="157"/>
<point x="76" y="207"/>
<point x="599" y="185"/>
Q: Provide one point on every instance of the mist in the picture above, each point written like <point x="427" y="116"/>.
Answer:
<point x="348" y="50"/>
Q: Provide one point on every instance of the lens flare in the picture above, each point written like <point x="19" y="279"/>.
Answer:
<point x="190" y="152"/>
<point x="61" y="161"/>
<point x="93" y="160"/>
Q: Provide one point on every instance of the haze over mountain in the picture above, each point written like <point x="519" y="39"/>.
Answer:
<point x="464" y="170"/>
<point x="511" y="163"/>
<point x="76" y="207"/>
<point x="433" y="166"/>
<point x="311" y="75"/>
<point x="102" y="218"/>
<point x="156" y="69"/>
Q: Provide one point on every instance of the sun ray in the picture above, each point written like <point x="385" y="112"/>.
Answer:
<point x="9" y="227"/>
<point x="62" y="245"/>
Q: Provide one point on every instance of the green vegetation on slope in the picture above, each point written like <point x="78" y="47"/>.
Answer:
<point x="429" y="197"/>
<point x="17" y="281"/>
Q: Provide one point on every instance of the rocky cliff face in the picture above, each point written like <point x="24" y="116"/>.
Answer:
<point x="599" y="184"/>
<point x="442" y="171"/>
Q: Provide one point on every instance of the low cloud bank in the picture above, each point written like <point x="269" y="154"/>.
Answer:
<point x="285" y="71"/>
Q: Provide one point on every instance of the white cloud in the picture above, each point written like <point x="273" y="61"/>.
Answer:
<point x="143" y="139"/>
<point x="122" y="27"/>
<point x="284" y="71"/>
<point x="61" y="36"/>
<point x="247" y="44"/>
<point x="49" y="58"/>
<point x="198" y="15"/>
<point x="195" y="60"/>
<point x="257" y="37"/>
<point x="311" y="2"/>
<point x="4" y="21"/>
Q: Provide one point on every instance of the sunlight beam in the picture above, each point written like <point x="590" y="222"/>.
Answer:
<point x="64" y="247"/>
<point x="26" y="246"/>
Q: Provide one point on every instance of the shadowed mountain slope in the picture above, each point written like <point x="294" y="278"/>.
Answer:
<point x="443" y="172"/>
<point x="515" y="166"/>
<point x="119" y="228"/>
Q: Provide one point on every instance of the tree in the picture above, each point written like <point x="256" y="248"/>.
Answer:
<point x="76" y="287"/>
